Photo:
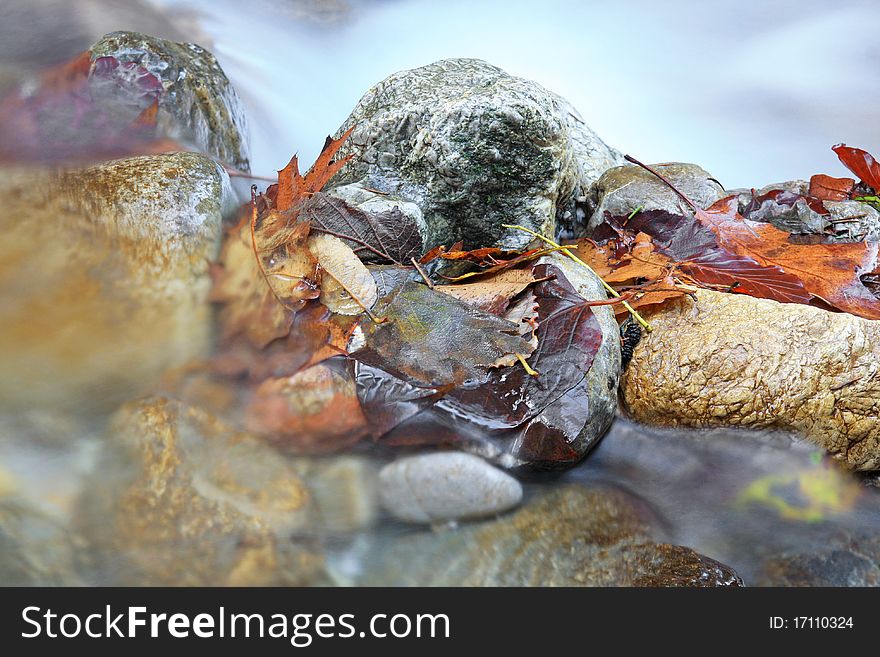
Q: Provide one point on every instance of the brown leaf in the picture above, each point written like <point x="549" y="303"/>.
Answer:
<point x="491" y="294"/>
<point x="375" y="236"/>
<point x="831" y="189"/>
<point x="347" y="287"/>
<point x="293" y="188"/>
<point x="861" y="163"/>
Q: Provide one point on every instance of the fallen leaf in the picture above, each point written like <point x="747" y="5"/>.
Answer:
<point x="375" y="236"/>
<point x="347" y="287"/>
<point x="316" y="411"/>
<point x="831" y="189"/>
<point x="293" y="189"/>
<point x="494" y="294"/>
<point x="861" y="163"/>
<point x="430" y="339"/>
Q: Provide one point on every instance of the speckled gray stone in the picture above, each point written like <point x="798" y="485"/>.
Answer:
<point x="199" y="105"/>
<point x="623" y="189"/>
<point x="445" y="486"/>
<point x="475" y="148"/>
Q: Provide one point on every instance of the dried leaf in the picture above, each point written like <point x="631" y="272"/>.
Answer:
<point x="293" y="188"/>
<point x="492" y="294"/>
<point x="430" y="339"/>
<point x="347" y="287"/>
<point x="831" y="189"/>
<point x="861" y="163"/>
<point x="375" y="236"/>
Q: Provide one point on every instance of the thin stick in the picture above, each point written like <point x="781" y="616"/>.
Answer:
<point x="428" y="281"/>
<point x="526" y="366"/>
<point x="363" y="245"/>
<point x="611" y="290"/>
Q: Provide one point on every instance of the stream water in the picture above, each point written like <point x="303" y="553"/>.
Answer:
<point x="753" y="94"/>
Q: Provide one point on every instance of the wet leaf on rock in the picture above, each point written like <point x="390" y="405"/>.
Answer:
<point x="347" y="287"/>
<point x="861" y="163"/>
<point x="433" y="340"/>
<point x="492" y="294"/>
<point x="388" y="236"/>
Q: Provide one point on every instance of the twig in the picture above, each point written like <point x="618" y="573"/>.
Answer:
<point x="611" y="290"/>
<point x="428" y="281"/>
<point x="526" y="366"/>
<point x="363" y="244"/>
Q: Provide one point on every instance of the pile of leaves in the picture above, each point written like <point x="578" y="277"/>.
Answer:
<point x="338" y="328"/>
<point x="83" y="110"/>
<point x="655" y="256"/>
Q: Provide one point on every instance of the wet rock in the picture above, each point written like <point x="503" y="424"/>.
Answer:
<point x="474" y="148"/>
<point x="198" y="105"/>
<point x="622" y="189"/>
<point x="446" y="486"/>
<point x="104" y="276"/>
<point x="35" y="550"/>
<point x="852" y="561"/>
<point x="345" y="490"/>
<point x="179" y="498"/>
<point x="733" y="360"/>
<point x="572" y="536"/>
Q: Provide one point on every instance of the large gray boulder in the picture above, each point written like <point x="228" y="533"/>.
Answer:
<point x="475" y="148"/>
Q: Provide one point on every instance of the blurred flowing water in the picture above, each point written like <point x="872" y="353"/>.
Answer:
<point x="754" y="93"/>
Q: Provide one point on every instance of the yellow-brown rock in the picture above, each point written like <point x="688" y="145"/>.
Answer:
<point x="732" y="360"/>
<point x="179" y="498"/>
<point x="104" y="276"/>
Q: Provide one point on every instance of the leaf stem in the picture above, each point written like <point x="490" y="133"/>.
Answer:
<point x="611" y="290"/>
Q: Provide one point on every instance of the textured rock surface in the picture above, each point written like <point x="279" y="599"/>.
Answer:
<point x="623" y="189"/>
<point x="732" y="360"/>
<point x="446" y="486"/>
<point x="849" y="561"/>
<point x="178" y="498"/>
<point x="199" y="105"/>
<point x="104" y="276"/>
<point x="34" y="549"/>
<point x="847" y="221"/>
<point x="475" y="148"/>
<point x="573" y="536"/>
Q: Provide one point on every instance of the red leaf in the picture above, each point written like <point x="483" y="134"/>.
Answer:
<point x="831" y="189"/>
<point x="861" y="163"/>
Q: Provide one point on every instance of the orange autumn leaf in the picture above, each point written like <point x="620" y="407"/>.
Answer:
<point x="827" y="188"/>
<point x="294" y="188"/>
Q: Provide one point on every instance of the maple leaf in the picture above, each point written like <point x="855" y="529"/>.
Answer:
<point x="375" y="236"/>
<point x="293" y="188"/>
<point x="759" y="259"/>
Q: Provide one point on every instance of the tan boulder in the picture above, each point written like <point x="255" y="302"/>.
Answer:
<point x="104" y="276"/>
<point x="180" y="498"/>
<point x="733" y="360"/>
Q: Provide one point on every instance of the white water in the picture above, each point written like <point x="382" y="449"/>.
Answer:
<point x="756" y="92"/>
